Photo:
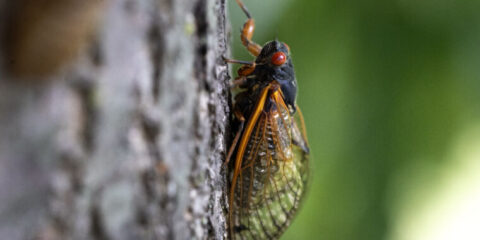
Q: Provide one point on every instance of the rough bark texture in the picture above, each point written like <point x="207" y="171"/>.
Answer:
<point x="128" y="141"/>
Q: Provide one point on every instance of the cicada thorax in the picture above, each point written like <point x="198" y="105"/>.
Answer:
<point x="269" y="184"/>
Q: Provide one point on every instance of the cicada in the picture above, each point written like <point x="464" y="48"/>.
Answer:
<point x="269" y="173"/>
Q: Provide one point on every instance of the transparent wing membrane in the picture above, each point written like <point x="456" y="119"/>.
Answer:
<point x="271" y="181"/>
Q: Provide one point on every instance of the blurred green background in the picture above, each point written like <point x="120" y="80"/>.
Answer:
<point x="391" y="95"/>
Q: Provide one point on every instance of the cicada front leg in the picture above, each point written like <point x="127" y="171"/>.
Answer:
<point x="245" y="70"/>
<point x="247" y="32"/>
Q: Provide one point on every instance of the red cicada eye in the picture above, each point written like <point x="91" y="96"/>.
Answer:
<point x="279" y="58"/>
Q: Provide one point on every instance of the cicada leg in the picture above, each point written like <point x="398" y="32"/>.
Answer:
<point x="246" y="69"/>
<point x="247" y="32"/>
<point x="241" y="118"/>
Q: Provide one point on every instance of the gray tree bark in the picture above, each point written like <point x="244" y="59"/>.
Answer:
<point x="127" y="140"/>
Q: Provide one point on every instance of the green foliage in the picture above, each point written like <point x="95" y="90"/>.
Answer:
<point x="385" y="86"/>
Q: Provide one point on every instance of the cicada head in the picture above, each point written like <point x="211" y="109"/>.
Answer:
<point x="274" y="64"/>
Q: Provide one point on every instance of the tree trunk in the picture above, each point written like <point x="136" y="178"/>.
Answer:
<point x="124" y="140"/>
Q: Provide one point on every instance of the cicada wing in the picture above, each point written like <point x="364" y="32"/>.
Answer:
<point x="270" y="184"/>
<point x="301" y="149"/>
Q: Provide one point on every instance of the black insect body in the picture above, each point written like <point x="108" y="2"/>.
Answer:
<point x="269" y="173"/>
